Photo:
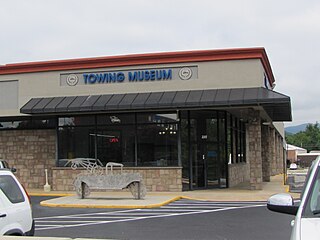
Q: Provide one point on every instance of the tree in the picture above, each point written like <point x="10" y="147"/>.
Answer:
<point x="308" y="139"/>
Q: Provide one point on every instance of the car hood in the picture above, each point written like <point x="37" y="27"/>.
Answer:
<point x="310" y="228"/>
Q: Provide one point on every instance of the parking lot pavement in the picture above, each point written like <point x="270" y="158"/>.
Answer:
<point x="42" y="238"/>
<point x="123" y="199"/>
<point x="177" y="208"/>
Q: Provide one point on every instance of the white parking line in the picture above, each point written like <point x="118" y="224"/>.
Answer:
<point x="136" y="213"/>
<point x="143" y="217"/>
<point x="47" y="225"/>
<point x="85" y="214"/>
<point x="98" y="217"/>
<point x="169" y="210"/>
<point x="64" y="221"/>
<point x="190" y="207"/>
<point x="181" y="203"/>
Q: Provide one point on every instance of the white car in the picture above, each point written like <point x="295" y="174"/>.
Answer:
<point x="306" y="225"/>
<point x="293" y="166"/>
<point x="15" y="209"/>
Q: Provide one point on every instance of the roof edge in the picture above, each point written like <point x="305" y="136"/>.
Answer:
<point x="143" y="59"/>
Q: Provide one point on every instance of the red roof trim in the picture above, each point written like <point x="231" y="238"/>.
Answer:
<point x="142" y="59"/>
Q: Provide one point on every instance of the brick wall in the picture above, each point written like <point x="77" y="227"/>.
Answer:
<point x="280" y="154"/>
<point x="267" y="153"/>
<point x="30" y="152"/>
<point x="254" y="150"/>
<point x="238" y="173"/>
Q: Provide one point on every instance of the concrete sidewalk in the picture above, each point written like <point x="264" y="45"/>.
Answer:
<point x="124" y="199"/>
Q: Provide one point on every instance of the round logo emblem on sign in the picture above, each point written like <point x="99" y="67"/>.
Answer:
<point x="185" y="73"/>
<point x="72" y="80"/>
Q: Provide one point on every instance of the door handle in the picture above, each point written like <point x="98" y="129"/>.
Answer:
<point x="3" y="215"/>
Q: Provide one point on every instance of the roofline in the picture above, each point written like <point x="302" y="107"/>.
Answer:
<point x="143" y="59"/>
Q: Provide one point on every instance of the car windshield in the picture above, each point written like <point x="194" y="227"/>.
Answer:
<point x="312" y="208"/>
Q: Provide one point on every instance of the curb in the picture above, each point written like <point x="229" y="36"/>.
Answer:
<point x="63" y="205"/>
<point x="67" y="205"/>
<point x="44" y="204"/>
<point x="50" y="194"/>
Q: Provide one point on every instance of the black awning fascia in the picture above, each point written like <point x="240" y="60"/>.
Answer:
<point x="276" y="105"/>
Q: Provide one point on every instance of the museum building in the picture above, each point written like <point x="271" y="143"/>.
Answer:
<point x="184" y="120"/>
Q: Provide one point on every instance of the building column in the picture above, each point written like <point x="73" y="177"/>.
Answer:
<point x="273" y="156"/>
<point x="267" y="153"/>
<point x="254" y="150"/>
<point x="279" y="154"/>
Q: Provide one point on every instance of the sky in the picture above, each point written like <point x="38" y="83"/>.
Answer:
<point x="289" y="30"/>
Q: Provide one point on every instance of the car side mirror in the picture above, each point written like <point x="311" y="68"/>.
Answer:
<point x="282" y="203"/>
<point x="13" y="170"/>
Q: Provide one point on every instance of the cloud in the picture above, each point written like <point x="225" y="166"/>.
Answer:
<point x="36" y="30"/>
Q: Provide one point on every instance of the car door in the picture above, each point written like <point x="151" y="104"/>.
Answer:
<point x="3" y="215"/>
<point x="309" y="221"/>
<point x="17" y="212"/>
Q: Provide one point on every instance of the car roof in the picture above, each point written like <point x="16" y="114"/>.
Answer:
<point x="5" y="170"/>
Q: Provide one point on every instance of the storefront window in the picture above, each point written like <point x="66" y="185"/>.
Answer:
<point x="117" y="138"/>
<point x="236" y="140"/>
<point x="156" y="118"/>
<point x="66" y="121"/>
<point x="116" y="119"/>
<point x="209" y="141"/>
<point x="212" y="129"/>
<point x="157" y="145"/>
<point x="77" y="121"/>
<point x="75" y="142"/>
<point x="27" y="123"/>
<point x="116" y="144"/>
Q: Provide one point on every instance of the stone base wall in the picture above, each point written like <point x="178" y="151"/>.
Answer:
<point x="266" y="153"/>
<point x="30" y="152"/>
<point x="254" y="150"/>
<point x="238" y="173"/>
<point x="167" y="179"/>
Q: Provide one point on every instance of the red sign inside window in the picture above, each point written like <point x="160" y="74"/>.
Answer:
<point x="114" y="140"/>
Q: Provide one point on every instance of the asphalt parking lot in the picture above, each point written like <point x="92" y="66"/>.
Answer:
<point x="183" y="219"/>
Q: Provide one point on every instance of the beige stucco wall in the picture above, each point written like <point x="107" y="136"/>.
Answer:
<point x="279" y="126"/>
<point x="211" y="75"/>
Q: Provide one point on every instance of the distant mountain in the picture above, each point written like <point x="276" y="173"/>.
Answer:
<point x="296" y="129"/>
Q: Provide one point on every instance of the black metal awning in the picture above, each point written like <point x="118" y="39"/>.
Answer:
<point x="276" y="105"/>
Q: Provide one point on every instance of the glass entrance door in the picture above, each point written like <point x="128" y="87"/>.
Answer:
<point x="207" y="157"/>
<point x="199" y="166"/>
<point x="206" y="166"/>
<point x="212" y="166"/>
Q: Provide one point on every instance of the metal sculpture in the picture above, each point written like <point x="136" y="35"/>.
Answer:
<point x="93" y="166"/>
<point x="94" y="178"/>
